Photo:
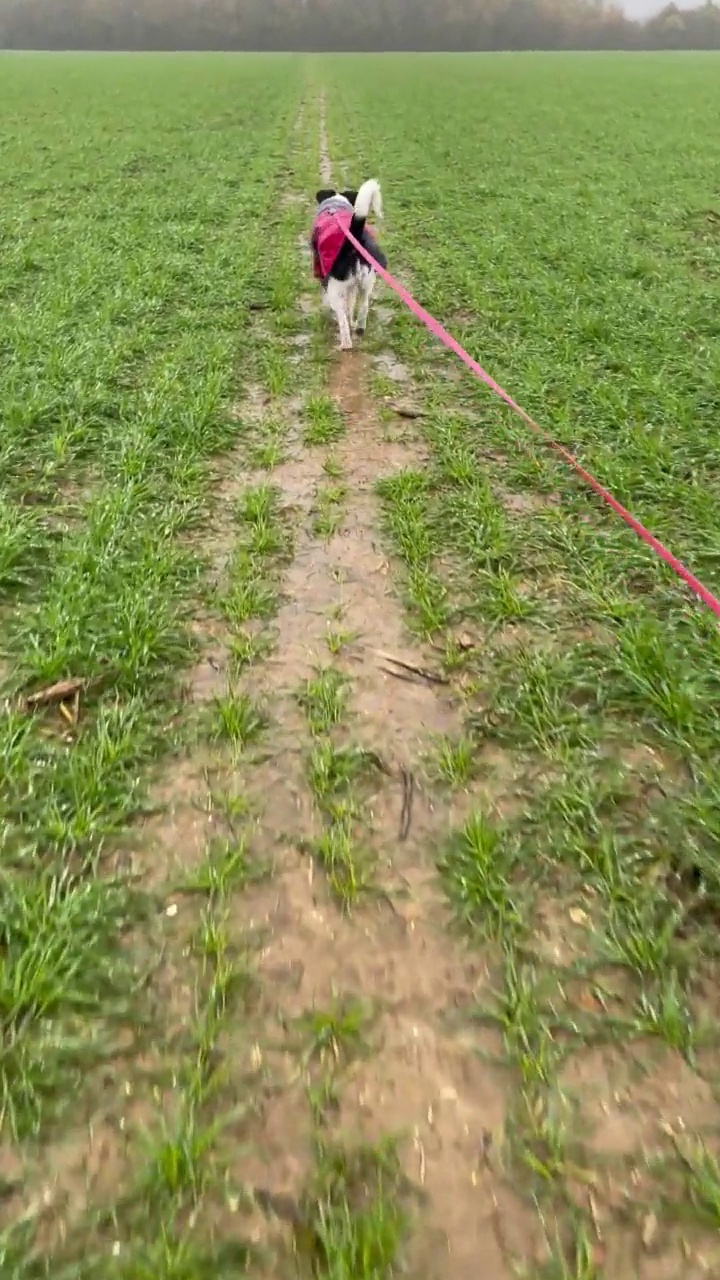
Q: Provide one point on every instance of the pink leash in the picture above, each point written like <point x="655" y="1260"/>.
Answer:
<point x="447" y="339"/>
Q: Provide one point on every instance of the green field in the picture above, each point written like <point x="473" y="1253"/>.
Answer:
<point x="360" y="784"/>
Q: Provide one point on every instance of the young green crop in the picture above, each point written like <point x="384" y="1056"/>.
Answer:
<point x="137" y="193"/>
<point x="559" y="215"/>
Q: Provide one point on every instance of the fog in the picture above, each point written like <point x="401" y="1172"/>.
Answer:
<point x="640" y="10"/>
<point x="331" y="25"/>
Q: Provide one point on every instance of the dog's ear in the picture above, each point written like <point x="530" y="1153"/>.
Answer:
<point x="325" y="194"/>
<point x="350" y="195"/>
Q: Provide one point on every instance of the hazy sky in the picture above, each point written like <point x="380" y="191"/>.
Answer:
<point x="646" y="8"/>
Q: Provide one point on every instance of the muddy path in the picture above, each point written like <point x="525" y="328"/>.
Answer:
<point x="419" y="1079"/>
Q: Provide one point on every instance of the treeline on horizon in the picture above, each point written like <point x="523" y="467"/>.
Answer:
<point x="348" y="25"/>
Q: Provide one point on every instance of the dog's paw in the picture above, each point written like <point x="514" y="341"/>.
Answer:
<point x="360" y="331"/>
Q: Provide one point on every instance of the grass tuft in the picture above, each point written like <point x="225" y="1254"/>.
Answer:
<point x="324" y="698"/>
<point x="354" y="1222"/>
<point x="478" y="867"/>
<point x="237" y="719"/>
<point x="323" y="421"/>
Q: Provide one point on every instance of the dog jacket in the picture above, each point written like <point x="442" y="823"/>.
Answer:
<point x="332" y="220"/>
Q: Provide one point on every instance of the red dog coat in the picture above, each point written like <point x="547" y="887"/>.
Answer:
<point x="327" y="239"/>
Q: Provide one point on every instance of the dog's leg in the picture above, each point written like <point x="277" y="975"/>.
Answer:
<point x="353" y="301"/>
<point x="338" y="300"/>
<point x="367" y="284"/>
<point x="345" y="334"/>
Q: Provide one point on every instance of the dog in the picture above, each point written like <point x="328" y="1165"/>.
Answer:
<point x="347" y="279"/>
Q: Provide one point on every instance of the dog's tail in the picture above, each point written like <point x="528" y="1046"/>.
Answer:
<point x="368" y="200"/>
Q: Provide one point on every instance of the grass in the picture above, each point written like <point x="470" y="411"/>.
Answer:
<point x="336" y="1033"/>
<point x="354" y="1220"/>
<point x="237" y="719"/>
<point x="478" y="869"/>
<point x="227" y="866"/>
<point x="328" y="510"/>
<point x="454" y="761"/>
<point x="251" y="593"/>
<point x="266" y="451"/>
<point x="589" y="676"/>
<point x="149" y="281"/>
<point x="127" y="293"/>
<point x="323" y="422"/>
<point x="336" y="775"/>
<point x="323" y="697"/>
<point x="337" y="638"/>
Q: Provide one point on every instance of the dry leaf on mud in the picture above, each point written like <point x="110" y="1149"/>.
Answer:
<point x="578" y="916"/>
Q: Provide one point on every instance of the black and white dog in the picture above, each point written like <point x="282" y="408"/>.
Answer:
<point x="347" y="279"/>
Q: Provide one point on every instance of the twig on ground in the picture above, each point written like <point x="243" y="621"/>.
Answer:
<point x="408" y="786"/>
<point x="61" y="691"/>
<point x="432" y="677"/>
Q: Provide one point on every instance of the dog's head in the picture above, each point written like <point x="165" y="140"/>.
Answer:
<point x="327" y="192"/>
